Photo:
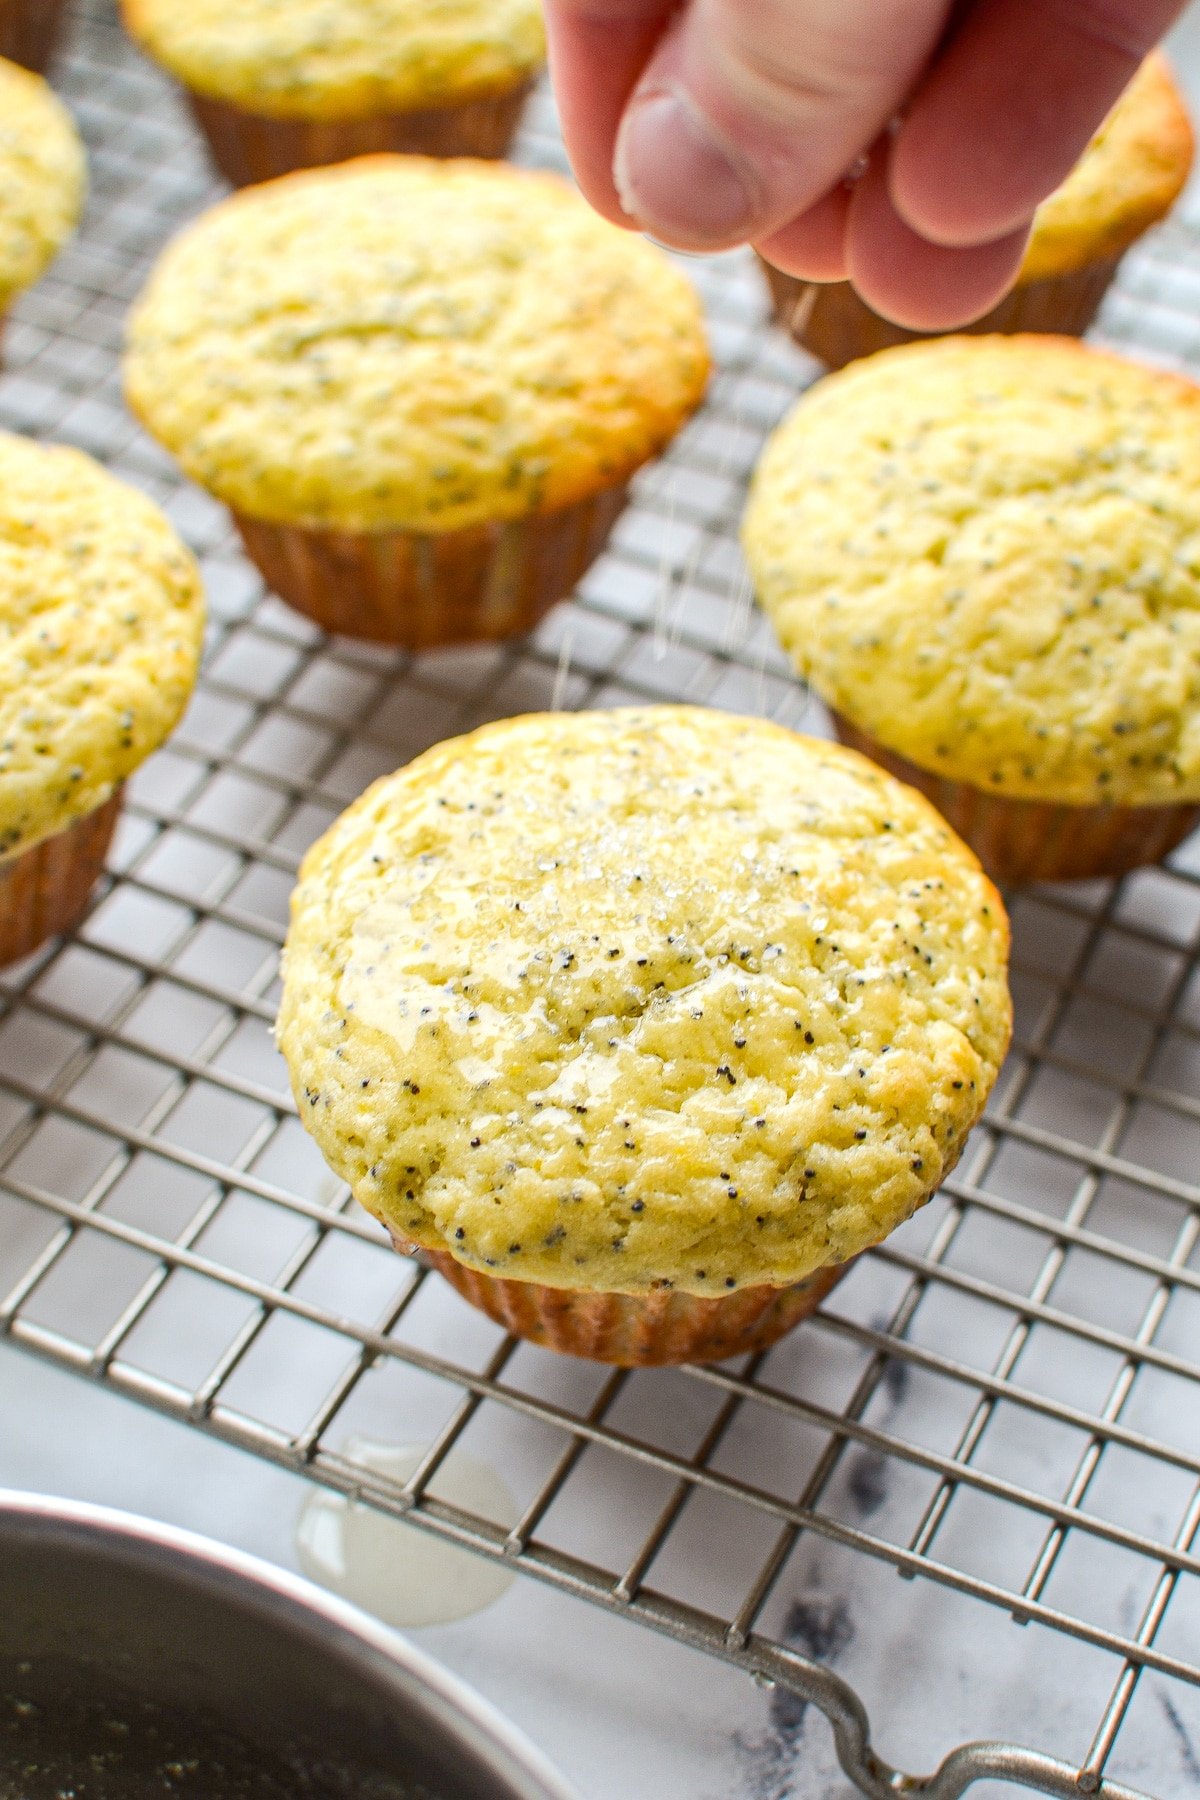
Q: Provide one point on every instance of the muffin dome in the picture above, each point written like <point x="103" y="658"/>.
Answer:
<point x="648" y="998"/>
<point x="42" y="178"/>
<point x="340" y="59"/>
<point x="101" y="618"/>
<point x="985" y="552"/>
<point x="402" y="343"/>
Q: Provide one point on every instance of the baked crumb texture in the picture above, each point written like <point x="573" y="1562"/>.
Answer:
<point x="639" y="999"/>
<point x="43" y="177"/>
<point x="400" y="343"/>
<point x="101" y="621"/>
<point x="985" y="553"/>
<point x="342" y="59"/>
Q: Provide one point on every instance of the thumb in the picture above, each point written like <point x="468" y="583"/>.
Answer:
<point x="750" y="110"/>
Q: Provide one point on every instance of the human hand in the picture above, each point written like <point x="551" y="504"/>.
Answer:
<point x="718" y="122"/>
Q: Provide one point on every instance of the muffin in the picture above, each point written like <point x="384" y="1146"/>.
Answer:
<point x="101" y="616"/>
<point x="1127" y="179"/>
<point x="640" y="1025"/>
<point x="984" y="555"/>
<point x="420" y="386"/>
<point x="29" y="32"/>
<point x="277" y="85"/>
<point x="43" y="174"/>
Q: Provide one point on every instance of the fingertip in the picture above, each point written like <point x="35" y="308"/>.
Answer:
<point x="956" y="215"/>
<point x="920" y="285"/>
<point x="812" y="246"/>
<point x="673" y="173"/>
<point x="594" y="65"/>
<point x="1006" y="110"/>
<point x="603" y="198"/>
<point x="600" y="194"/>
<point x="745" y="115"/>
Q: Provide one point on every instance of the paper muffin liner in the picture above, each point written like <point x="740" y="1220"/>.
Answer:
<point x="45" y="890"/>
<point x="29" y="31"/>
<point x="423" y="589"/>
<point x="831" y="322"/>
<point x="248" y="147"/>
<point x="1038" y="840"/>
<point x="636" y="1330"/>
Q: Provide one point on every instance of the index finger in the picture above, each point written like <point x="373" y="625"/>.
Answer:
<point x="598" y="49"/>
<point x="1009" y="107"/>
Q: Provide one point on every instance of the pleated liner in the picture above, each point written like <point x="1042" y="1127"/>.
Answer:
<point x="248" y="147"/>
<point x="29" y="31"/>
<point x="45" y="890"/>
<point x="421" y="589"/>
<point x="1038" y="840"/>
<point x="636" y="1330"/>
<point x="830" y="321"/>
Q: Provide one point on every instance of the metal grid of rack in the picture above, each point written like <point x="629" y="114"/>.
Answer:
<point x="1002" y="1401"/>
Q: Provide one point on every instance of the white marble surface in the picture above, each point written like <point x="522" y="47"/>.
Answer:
<point x="622" y="1714"/>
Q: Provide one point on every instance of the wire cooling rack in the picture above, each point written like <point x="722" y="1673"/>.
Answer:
<point x="1003" y="1401"/>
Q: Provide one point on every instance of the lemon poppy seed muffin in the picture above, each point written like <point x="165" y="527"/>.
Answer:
<point x="101" y="617"/>
<point x="329" y="59"/>
<point x="42" y="179"/>
<point x="1128" y="179"/>
<point x="408" y="343"/>
<point x="421" y="386"/>
<point x="642" y="1023"/>
<point x="984" y="555"/>
<point x="278" y="85"/>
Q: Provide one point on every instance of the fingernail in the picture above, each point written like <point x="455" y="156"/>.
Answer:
<point x="673" y="175"/>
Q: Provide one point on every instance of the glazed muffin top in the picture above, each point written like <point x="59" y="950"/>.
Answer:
<point x="404" y="343"/>
<point x="625" y="1000"/>
<point x="43" y="174"/>
<point x="985" y="552"/>
<point x="1128" y="177"/>
<point x="101" y="618"/>
<point x="341" y="59"/>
